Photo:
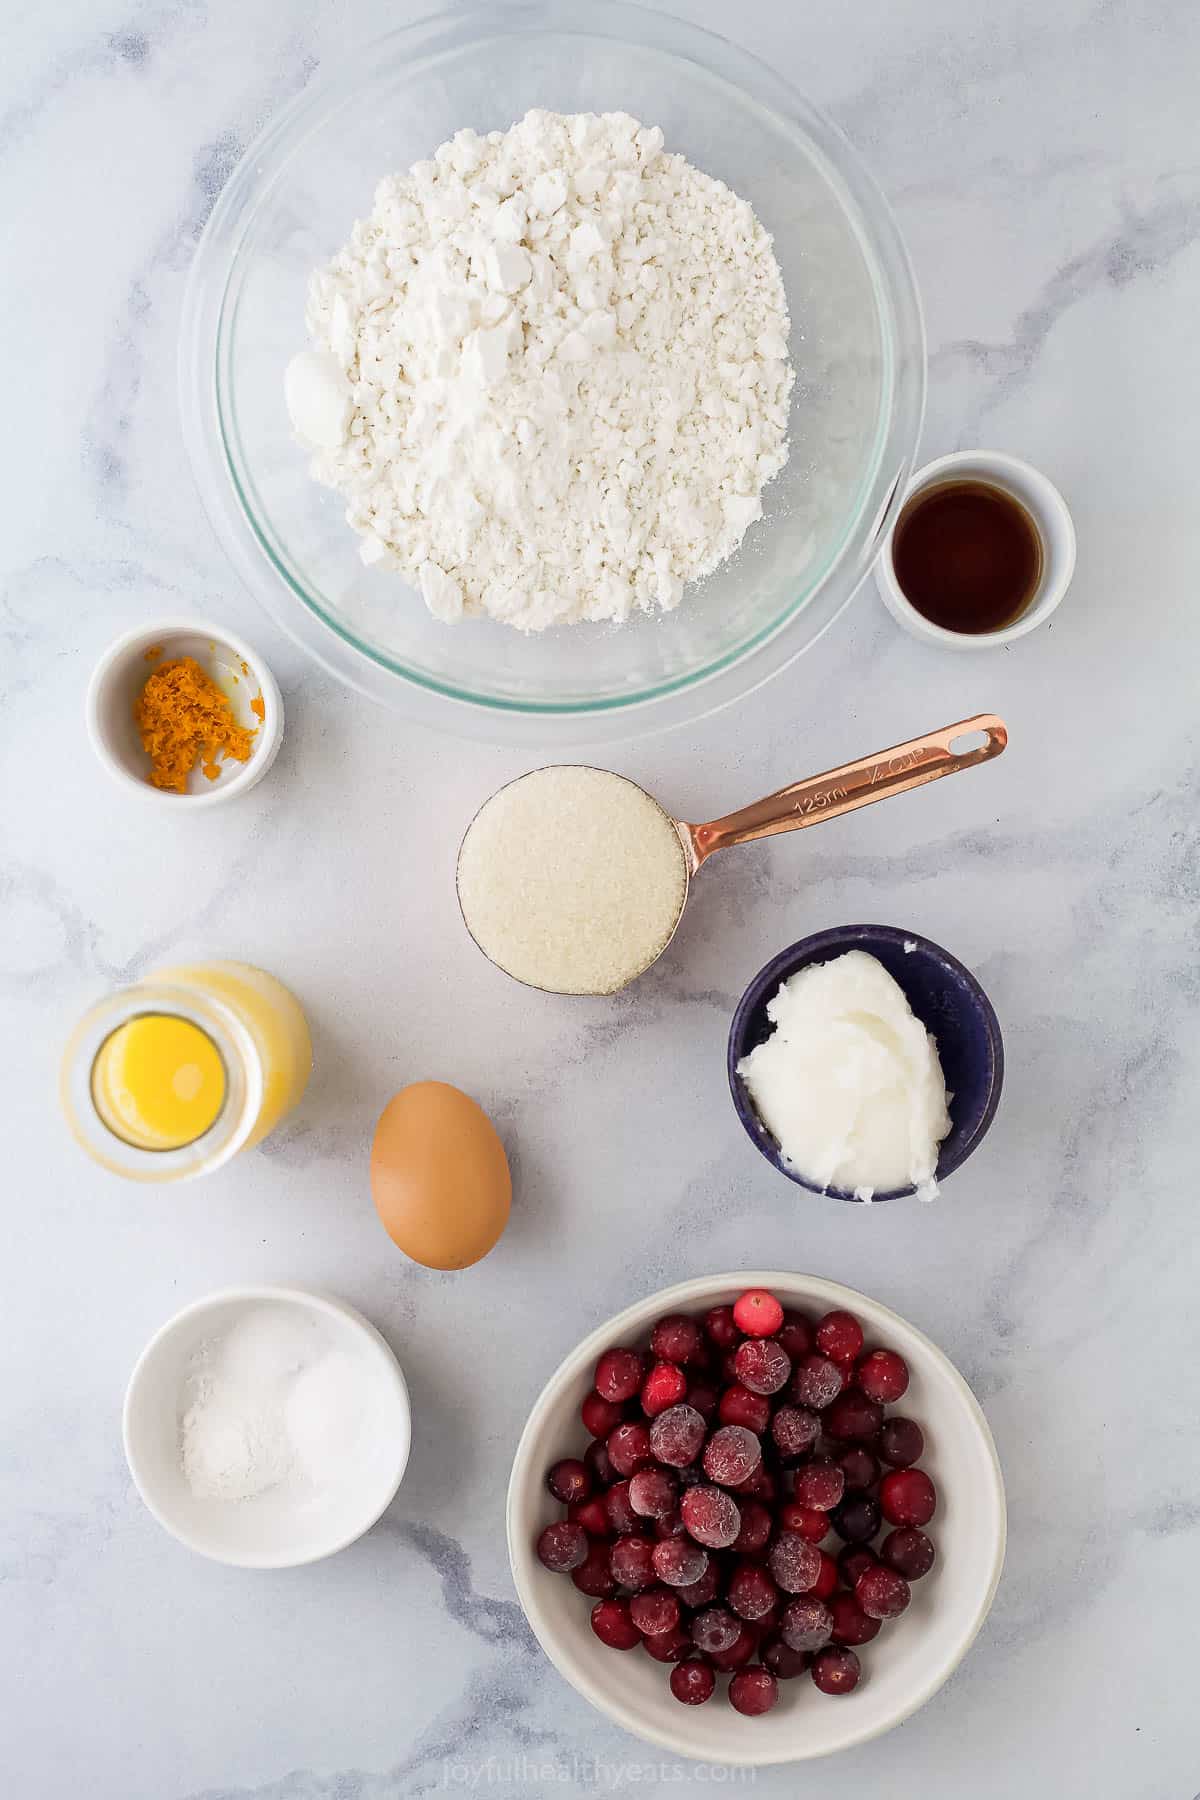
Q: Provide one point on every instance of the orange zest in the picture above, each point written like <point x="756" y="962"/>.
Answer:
<point x="184" y="718"/>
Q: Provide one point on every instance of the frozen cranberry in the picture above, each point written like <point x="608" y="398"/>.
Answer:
<point x="670" y="1525"/>
<point x="909" y="1552"/>
<point x="591" y="1514"/>
<point x="751" y="1592"/>
<point x="563" y="1546"/>
<point x="907" y="1497"/>
<point x="719" y="1325"/>
<point x="621" y="1516"/>
<point x="593" y="1576"/>
<point x="653" y="1493"/>
<point x="677" y="1435"/>
<point x="901" y="1442"/>
<point x="853" y="1416"/>
<point x="794" y="1562"/>
<point x="679" y="1561"/>
<point x="883" y="1375"/>
<point x="664" y="1386"/>
<point x="711" y="1516"/>
<point x="704" y="1591"/>
<point x="796" y="1335"/>
<point x="757" y="1313"/>
<point x="805" y="1624"/>
<point x="738" y="1406"/>
<point x="599" y="1463"/>
<point x="613" y="1626"/>
<point x="631" y="1562"/>
<point x="762" y="1365"/>
<point x="820" y="1483"/>
<point x="827" y="1580"/>
<point x="853" y="1561"/>
<point x="599" y="1416"/>
<point x="836" y="1670"/>
<point x="654" y="1611"/>
<point x="704" y="1398"/>
<point x="840" y="1336"/>
<point x="676" y="1339"/>
<point x="783" y="1662"/>
<point x="795" y="1430"/>
<point x="807" y="1520"/>
<point x="860" y="1468"/>
<point x="728" y="1366"/>
<point x="817" y="1382"/>
<point x="738" y="1653"/>
<point x="628" y="1447"/>
<point x="569" y="1480"/>
<point x="668" y="1646"/>
<point x="882" y="1593"/>
<point x="713" y="1630"/>
<point x="851" y="1624"/>
<point x="693" y="1682"/>
<point x="756" y="1527"/>
<point x="732" y="1454"/>
<point x="618" y="1375"/>
<point x="753" y="1691"/>
<point x="857" y="1518"/>
<point x="760" y="1486"/>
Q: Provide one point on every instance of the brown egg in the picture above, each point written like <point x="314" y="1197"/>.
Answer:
<point x="439" y="1176"/>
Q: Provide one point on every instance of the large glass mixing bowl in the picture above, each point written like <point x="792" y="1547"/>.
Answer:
<point x="857" y="346"/>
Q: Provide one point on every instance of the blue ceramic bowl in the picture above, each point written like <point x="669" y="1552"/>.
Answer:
<point x="944" y="996"/>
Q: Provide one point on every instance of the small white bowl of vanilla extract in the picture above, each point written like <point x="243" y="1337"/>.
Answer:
<point x="982" y="553"/>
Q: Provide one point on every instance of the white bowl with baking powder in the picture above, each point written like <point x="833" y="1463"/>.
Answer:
<point x="321" y="1481"/>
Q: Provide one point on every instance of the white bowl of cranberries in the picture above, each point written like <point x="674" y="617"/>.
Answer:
<point x="756" y="1518"/>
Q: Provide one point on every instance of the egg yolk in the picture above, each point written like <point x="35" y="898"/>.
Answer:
<point x="158" y="1082"/>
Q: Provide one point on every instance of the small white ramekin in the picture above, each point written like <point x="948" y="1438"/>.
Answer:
<point x="237" y="669"/>
<point x="1045" y="505"/>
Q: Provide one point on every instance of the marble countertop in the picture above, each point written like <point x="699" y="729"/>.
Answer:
<point x="1043" y="164"/>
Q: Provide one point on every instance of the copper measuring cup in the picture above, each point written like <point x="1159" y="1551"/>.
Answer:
<point x="817" y="798"/>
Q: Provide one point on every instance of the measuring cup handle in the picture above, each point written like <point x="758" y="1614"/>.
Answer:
<point x="856" y="784"/>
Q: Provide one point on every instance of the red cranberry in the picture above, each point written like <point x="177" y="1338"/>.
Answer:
<point x="784" y="1663"/>
<point x="732" y="1454"/>
<point x="669" y="1646"/>
<point x="593" y="1576"/>
<point x="628" y="1447"/>
<point x="882" y="1593"/>
<point x="907" y="1497"/>
<point x="820" y="1483"/>
<point x="591" y="1514"/>
<point x="599" y="1416"/>
<point x="753" y="1691"/>
<point x="851" y="1624"/>
<point x="599" y="1462"/>
<point x="808" y="1521"/>
<point x="852" y="1416"/>
<point x="621" y="1516"/>
<point x="631" y="1562"/>
<point x="751" y="1592"/>
<point x="827" y="1580"/>
<point x="653" y="1493"/>
<point x="563" y="1546"/>
<point x="738" y="1406"/>
<point x="794" y="1562"/>
<point x="761" y="1486"/>
<point x="713" y="1630"/>
<point x="711" y="1516"/>
<point x="718" y="1323"/>
<point x="677" y="1435"/>
<point x="569" y="1480"/>
<point x="901" y="1442"/>
<point x="805" y="1624"/>
<point x="679" y="1561"/>
<point x="693" y="1682"/>
<point x="853" y="1561"/>
<point x="738" y="1653"/>
<point x="840" y="1336"/>
<point x="757" y="1313"/>
<point x="704" y="1591"/>
<point x="670" y="1525"/>
<point x="817" y="1382"/>
<point x="704" y="1398"/>
<point x="762" y="1365"/>
<point x="613" y="1626"/>
<point x="836" y="1670"/>
<point x="857" y="1518"/>
<point x="796" y="1335"/>
<point x="883" y="1375"/>
<point x="859" y="1467"/>
<point x="909" y="1552"/>
<point x="664" y="1386"/>
<point x="756" y="1527"/>
<point x="654" y="1611"/>
<point x="676" y="1339"/>
<point x="618" y="1375"/>
<point x="795" y="1430"/>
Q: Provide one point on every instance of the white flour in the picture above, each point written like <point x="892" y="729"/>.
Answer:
<point x="551" y="376"/>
